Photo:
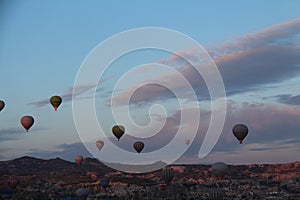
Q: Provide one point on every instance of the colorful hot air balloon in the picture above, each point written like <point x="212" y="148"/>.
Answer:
<point x="55" y="101"/>
<point x="167" y="175"/>
<point x="240" y="131"/>
<point x="219" y="169"/>
<point x="2" y="105"/>
<point x="94" y="176"/>
<point x="138" y="146"/>
<point x="118" y="131"/>
<point x="99" y="144"/>
<point x="187" y="141"/>
<point x="27" y="122"/>
<point x="78" y="160"/>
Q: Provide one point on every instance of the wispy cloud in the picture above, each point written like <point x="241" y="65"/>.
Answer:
<point x="10" y="134"/>
<point x="69" y="94"/>
<point x="288" y="99"/>
<point x="278" y="34"/>
<point x="247" y="64"/>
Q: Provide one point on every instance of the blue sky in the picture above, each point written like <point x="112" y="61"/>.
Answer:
<point x="43" y="44"/>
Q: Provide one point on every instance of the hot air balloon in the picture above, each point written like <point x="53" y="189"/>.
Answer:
<point x="187" y="141"/>
<point x="240" y="131"/>
<point x="215" y="194"/>
<point x="219" y="169"/>
<point x="167" y="175"/>
<point x="118" y="131"/>
<point x="94" y="176"/>
<point x="55" y="101"/>
<point x="99" y="144"/>
<point x="78" y="160"/>
<point x="82" y="193"/>
<point x="13" y="181"/>
<point x="6" y="193"/>
<point x="138" y="146"/>
<point x="2" y="105"/>
<point x="27" y="122"/>
<point x="105" y="183"/>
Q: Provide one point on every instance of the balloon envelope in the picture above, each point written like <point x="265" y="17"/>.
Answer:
<point x="219" y="169"/>
<point x="167" y="175"/>
<point x="105" y="183"/>
<point x="6" y="193"/>
<point x="2" y="105"/>
<point x="240" y="131"/>
<point x="215" y="194"/>
<point x="27" y="122"/>
<point x="138" y="146"/>
<point x="78" y="160"/>
<point x="187" y="141"/>
<point x="118" y="131"/>
<point x="99" y="144"/>
<point x="55" y="101"/>
<point x="82" y="192"/>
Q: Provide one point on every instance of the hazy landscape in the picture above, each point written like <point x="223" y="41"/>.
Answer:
<point x="57" y="178"/>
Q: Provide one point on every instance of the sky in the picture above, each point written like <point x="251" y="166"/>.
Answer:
<point x="255" y="46"/>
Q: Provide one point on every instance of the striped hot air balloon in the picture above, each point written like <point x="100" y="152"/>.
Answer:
<point x="167" y="175"/>
<point x="215" y="194"/>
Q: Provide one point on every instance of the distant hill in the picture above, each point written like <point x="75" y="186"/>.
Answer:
<point x="31" y="166"/>
<point x="40" y="178"/>
<point x="138" y="168"/>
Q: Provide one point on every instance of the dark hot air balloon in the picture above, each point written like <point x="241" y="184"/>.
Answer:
<point x="6" y="193"/>
<point x="215" y="194"/>
<point x="105" y="183"/>
<point x="167" y="175"/>
<point x="82" y="193"/>
<point x="2" y="105"/>
<point x="27" y="122"/>
<point x="55" y="101"/>
<point x="118" y="131"/>
<point x="219" y="169"/>
<point x="240" y="131"/>
<point x="138" y="146"/>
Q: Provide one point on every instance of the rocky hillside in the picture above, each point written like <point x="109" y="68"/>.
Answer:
<point x="57" y="178"/>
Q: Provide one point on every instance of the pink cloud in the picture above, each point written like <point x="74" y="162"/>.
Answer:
<point x="248" y="63"/>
